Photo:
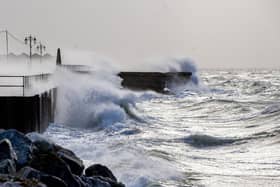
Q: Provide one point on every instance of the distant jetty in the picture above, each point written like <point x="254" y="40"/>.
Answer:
<point x="141" y="81"/>
<point x="156" y="81"/>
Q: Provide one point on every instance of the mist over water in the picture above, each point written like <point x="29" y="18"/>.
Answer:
<point x="25" y="67"/>
<point x="220" y="129"/>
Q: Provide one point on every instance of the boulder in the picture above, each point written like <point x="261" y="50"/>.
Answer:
<point x="51" y="164"/>
<point x="76" y="165"/>
<point x="42" y="144"/>
<point x="11" y="181"/>
<point x="92" y="182"/>
<point x="100" y="170"/>
<point x="6" y="150"/>
<point x="52" y="181"/>
<point x="108" y="180"/>
<point x="30" y="173"/>
<point x="7" y="167"/>
<point x="80" y="181"/>
<point x="43" y="163"/>
<point x="21" y="144"/>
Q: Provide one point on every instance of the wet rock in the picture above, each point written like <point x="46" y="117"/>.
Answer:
<point x="51" y="164"/>
<point x="43" y="163"/>
<point x="52" y="181"/>
<point x="21" y="144"/>
<point x="93" y="181"/>
<point x="76" y="165"/>
<point x="11" y="181"/>
<point x="30" y="173"/>
<point x="6" y="150"/>
<point x="97" y="181"/>
<point x="7" y="167"/>
<point x="42" y="144"/>
<point x="109" y="181"/>
<point x="80" y="181"/>
<point x="100" y="170"/>
<point x="14" y="184"/>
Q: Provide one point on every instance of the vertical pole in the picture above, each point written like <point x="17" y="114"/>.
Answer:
<point x="23" y="86"/>
<point x="30" y="46"/>
<point x="7" y="44"/>
<point x="41" y="53"/>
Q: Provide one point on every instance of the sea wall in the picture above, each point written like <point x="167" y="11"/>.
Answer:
<point x="29" y="113"/>
<point x="155" y="81"/>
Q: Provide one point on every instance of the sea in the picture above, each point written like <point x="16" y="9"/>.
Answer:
<point x="220" y="129"/>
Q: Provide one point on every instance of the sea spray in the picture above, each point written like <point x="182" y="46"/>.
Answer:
<point x="195" y="84"/>
<point x="91" y="101"/>
<point x="132" y="164"/>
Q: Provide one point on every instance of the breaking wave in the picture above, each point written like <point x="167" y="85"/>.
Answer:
<point x="97" y="101"/>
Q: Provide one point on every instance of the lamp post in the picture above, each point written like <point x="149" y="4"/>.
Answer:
<point x="31" y="41"/>
<point x="41" y="48"/>
<point x="7" y="44"/>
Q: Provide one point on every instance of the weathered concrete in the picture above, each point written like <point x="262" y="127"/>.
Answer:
<point x="26" y="114"/>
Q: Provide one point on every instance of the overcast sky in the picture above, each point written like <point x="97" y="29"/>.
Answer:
<point x="214" y="33"/>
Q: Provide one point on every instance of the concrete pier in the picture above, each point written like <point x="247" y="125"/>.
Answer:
<point x="155" y="81"/>
<point x="27" y="112"/>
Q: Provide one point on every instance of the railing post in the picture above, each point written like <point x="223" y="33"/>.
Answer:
<point x="23" y="85"/>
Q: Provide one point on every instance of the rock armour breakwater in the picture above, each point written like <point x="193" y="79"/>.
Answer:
<point x="33" y="161"/>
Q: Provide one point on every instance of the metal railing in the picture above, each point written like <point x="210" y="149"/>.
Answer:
<point x="23" y="82"/>
<point x="9" y="83"/>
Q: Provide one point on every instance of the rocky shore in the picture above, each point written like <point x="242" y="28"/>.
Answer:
<point x="33" y="161"/>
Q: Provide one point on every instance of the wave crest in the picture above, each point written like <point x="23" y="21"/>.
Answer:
<point x="271" y="109"/>
<point x="201" y="140"/>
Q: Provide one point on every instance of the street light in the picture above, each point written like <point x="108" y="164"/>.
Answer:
<point x="41" y="48"/>
<point x="31" y="41"/>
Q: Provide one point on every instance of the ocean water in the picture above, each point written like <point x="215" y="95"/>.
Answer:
<point x="221" y="130"/>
